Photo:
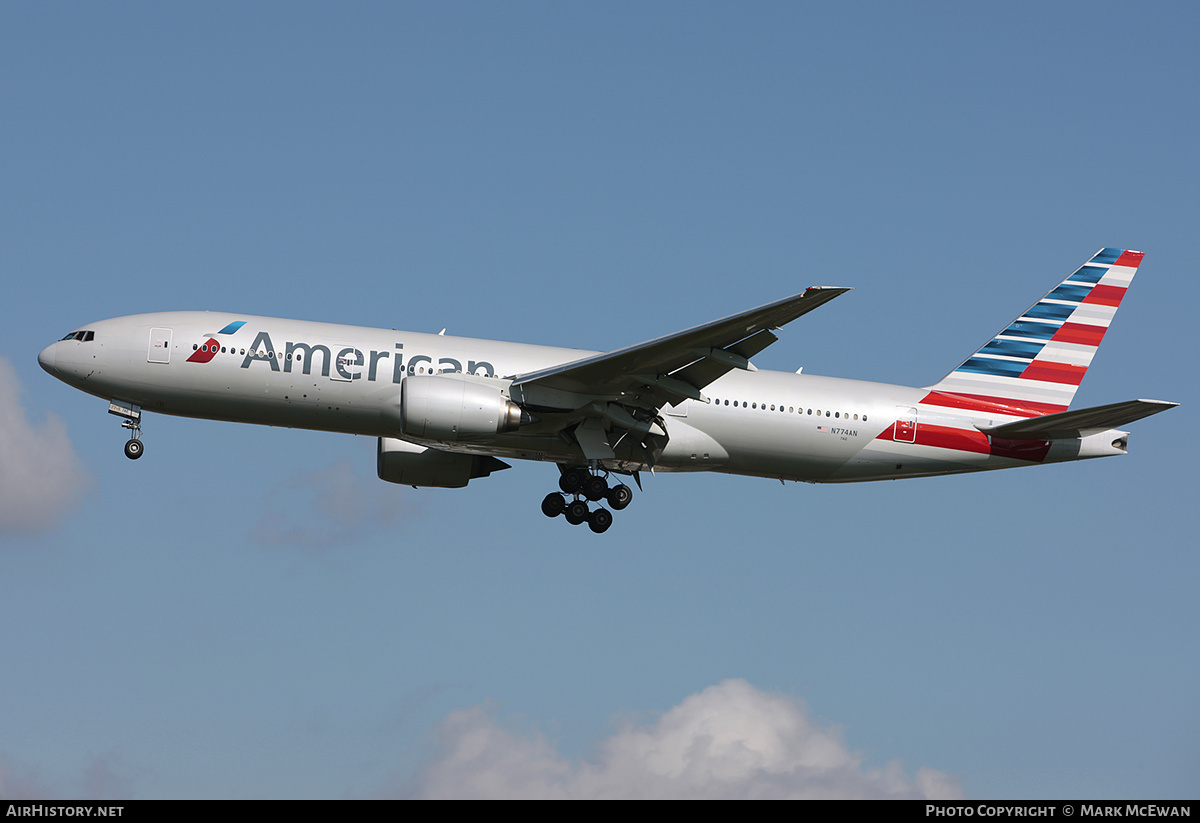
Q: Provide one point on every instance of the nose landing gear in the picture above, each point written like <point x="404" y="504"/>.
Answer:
<point x="133" y="421"/>
<point x="583" y="486"/>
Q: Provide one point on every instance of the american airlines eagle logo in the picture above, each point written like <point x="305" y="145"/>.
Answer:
<point x="208" y="349"/>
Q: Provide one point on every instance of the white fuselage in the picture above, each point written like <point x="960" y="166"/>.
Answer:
<point x="348" y="379"/>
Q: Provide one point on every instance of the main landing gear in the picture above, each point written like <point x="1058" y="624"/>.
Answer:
<point x="132" y="415"/>
<point x="583" y="486"/>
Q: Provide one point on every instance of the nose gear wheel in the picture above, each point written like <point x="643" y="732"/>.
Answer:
<point x="134" y="448"/>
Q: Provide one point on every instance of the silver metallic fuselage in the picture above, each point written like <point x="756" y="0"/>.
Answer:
<point x="348" y="379"/>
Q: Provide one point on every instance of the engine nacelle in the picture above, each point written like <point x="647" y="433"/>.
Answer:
<point x="398" y="461"/>
<point x="456" y="407"/>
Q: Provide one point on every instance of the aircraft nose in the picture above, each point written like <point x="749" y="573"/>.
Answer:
<point x="47" y="359"/>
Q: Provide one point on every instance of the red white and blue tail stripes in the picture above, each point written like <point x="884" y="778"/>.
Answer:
<point x="1035" y="365"/>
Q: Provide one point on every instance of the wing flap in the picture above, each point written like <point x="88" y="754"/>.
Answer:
<point x="717" y="363"/>
<point x="715" y="348"/>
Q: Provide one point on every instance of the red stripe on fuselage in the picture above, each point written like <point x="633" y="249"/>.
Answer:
<point x="942" y="437"/>
<point x="976" y="442"/>
<point x="945" y="437"/>
<point x="991" y="405"/>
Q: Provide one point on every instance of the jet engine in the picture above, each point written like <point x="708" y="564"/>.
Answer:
<point x="398" y="461"/>
<point x="450" y="408"/>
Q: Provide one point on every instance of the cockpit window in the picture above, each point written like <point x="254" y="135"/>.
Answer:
<point x="82" y="336"/>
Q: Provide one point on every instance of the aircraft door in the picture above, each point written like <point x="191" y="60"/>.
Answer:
<point x="159" y="350"/>
<point x="906" y="425"/>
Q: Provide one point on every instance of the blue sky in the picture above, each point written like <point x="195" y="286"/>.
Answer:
<point x="248" y="612"/>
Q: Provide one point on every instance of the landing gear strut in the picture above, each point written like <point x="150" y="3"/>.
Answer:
<point x="583" y="485"/>
<point x="133" y="421"/>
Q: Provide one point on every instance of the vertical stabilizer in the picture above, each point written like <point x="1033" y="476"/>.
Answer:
<point x="1035" y="365"/>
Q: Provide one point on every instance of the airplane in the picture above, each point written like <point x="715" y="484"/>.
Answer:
<point x="446" y="409"/>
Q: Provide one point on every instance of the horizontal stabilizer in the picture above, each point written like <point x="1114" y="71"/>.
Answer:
<point x="1069" y="425"/>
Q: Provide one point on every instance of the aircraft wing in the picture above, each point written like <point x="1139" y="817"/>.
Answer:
<point x="677" y="366"/>
<point x="1069" y="425"/>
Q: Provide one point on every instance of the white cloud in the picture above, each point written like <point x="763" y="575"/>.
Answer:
<point x="98" y="781"/>
<point x="730" y="741"/>
<point x="40" y="476"/>
<point x="21" y="783"/>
